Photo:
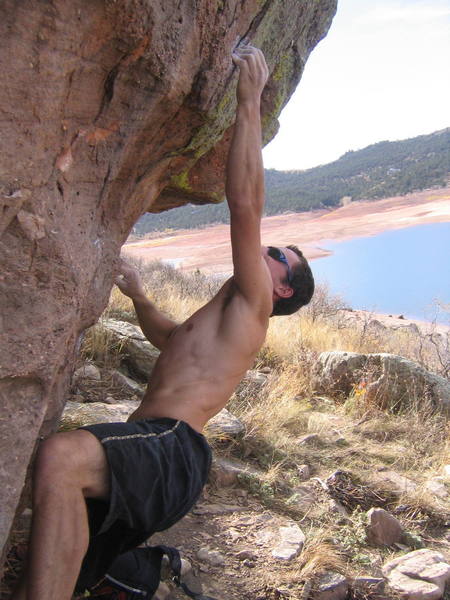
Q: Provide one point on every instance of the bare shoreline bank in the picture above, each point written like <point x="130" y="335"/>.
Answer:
<point x="208" y="249"/>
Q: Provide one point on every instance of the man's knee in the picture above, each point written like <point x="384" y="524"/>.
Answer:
<point x="72" y="460"/>
<point x="54" y="463"/>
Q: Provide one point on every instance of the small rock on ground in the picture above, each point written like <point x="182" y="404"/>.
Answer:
<point x="331" y="586"/>
<point x="291" y="544"/>
<point x="213" y="557"/>
<point x="383" y="528"/>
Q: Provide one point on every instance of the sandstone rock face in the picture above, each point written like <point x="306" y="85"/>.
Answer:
<point x="109" y="109"/>
<point x="385" y="380"/>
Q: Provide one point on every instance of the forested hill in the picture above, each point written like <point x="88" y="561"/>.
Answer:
<point x="378" y="171"/>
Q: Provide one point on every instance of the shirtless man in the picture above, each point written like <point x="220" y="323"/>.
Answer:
<point x="144" y="475"/>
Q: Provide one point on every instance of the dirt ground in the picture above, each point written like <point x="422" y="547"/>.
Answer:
<point x="209" y="250"/>
<point x="244" y="533"/>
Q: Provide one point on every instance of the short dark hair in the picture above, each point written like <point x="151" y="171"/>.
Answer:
<point x="302" y="282"/>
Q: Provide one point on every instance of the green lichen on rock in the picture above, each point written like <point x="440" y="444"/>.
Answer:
<point x="216" y="122"/>
<point x="181" y="181"/>
<point x="282" y="75"/>
<point x="206" y="137"/>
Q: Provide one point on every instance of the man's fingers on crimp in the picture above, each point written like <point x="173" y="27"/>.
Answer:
<point x="252" y="57"/>
<point x="237" y="59"/>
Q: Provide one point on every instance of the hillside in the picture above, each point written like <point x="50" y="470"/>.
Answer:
<point x="378" y="171"/>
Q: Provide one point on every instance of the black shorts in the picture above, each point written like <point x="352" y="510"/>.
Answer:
<point x="158" y="468"/>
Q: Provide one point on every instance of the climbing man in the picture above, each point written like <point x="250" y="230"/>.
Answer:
<point x="104" y="489"/>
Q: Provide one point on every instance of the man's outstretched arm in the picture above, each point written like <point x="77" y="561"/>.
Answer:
<point x="156" y="327"/>
<point x="245" y="177"/>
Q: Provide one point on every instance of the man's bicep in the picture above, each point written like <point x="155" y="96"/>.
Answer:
<point x="250" y="271"/>
<point x="156" y="326"/>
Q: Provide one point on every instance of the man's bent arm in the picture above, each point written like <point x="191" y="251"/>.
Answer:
<point x="156" y="327"/>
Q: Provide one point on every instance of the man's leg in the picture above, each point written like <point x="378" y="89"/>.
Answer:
<point x="69" y="467"/>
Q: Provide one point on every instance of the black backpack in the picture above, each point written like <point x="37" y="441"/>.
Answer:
<point x="135" y="575"/>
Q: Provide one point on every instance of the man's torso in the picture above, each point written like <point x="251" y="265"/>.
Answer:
<point x="204" y="360"/>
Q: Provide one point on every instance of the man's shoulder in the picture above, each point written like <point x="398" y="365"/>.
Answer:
<point x="260" y="301"/>
<point x="245" y="312"/>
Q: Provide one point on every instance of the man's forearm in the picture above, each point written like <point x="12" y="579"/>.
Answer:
<point x="245" y="171"/>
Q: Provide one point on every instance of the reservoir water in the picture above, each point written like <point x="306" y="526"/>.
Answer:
<point x="406" y="271"/>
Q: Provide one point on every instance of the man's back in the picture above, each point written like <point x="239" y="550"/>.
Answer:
<point x="205" y="357"/>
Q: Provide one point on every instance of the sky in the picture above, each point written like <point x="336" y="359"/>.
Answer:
<point x="381" y="73"/>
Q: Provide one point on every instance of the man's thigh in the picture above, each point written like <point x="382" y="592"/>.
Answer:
<point x="78" y="456"/>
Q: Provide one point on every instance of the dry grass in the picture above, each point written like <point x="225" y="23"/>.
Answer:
<point x="319" y="556"/>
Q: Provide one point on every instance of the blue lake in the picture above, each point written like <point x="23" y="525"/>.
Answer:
<point x="405" y="271"/>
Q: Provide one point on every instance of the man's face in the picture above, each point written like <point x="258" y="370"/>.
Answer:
<point x="280" y="261"/>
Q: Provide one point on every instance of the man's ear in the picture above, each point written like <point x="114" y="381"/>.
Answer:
<point x="284" y="291"/>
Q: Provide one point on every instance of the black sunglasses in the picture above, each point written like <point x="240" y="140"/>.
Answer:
<point x="278" y="255"/>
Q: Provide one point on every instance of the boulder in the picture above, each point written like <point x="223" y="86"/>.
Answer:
<point x="436" y="487"/>
<point x="139" y="119"/>
<point x="224" y="425"/>
<point x="384" y="380"/>
<point x="78" y="414"/>
<point x="304" y="496"/>
<point x="339" y="510"/>
<point x="419" y="575"/>
<point x="127" y="385"/>
<point x="393" y="481"/>
<point x="213" y="557"/>
<point x="87" y="371"/>
<point x="225" y="472"/>
<point x="134" y="349"/>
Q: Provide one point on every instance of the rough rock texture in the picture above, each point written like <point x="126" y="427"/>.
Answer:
<point x="224" y="425"/>
<point x="385" y="380"/>
<point x="109" y="108"/>
<point x="383" y="528"/>
<point x="419" y="575"/>
<point x="225" y="472"/>
<point x="331" y="586"/>
<point x="136" y="352"/>
<point x="79" y="414"/>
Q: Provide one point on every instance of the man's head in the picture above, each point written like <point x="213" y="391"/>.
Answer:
<point x="293" y="282"/>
